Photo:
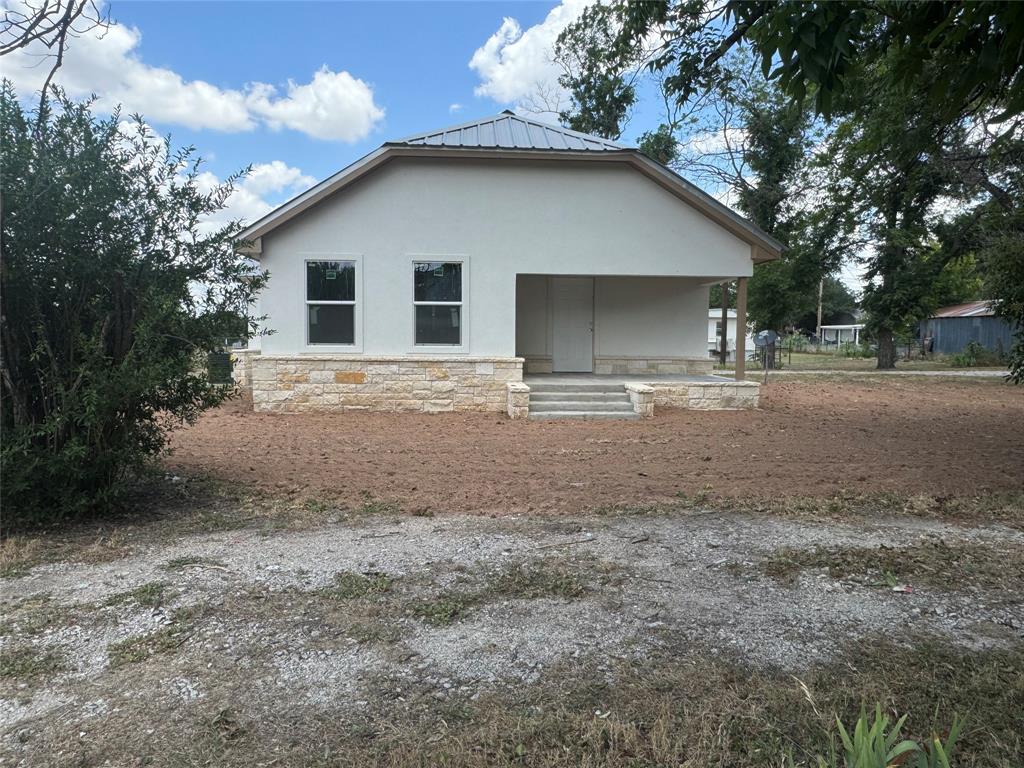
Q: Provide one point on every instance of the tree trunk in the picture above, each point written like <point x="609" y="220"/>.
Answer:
<point x="886" y="350"/>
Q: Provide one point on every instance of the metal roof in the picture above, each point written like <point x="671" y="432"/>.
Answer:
<point x="970" y="309"/>
<point x="510" y="131"/>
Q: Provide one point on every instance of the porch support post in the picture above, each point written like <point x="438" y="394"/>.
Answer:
<point x="723" y="348"/>
<point x="741" y="328"/>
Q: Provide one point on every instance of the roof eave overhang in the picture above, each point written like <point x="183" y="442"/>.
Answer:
<point x="763" y="247"/>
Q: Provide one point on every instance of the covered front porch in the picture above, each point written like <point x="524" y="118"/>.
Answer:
<point x="635" y="325"/>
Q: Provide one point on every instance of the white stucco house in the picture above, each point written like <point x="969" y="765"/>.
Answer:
<point x="486" y="265"/>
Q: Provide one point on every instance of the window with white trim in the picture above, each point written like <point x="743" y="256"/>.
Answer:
<point x="331" y="302"/>
<point x="437" y="302"/>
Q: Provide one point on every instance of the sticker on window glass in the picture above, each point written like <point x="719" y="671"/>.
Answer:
<point x="439" y="270"/>
<point x="332" y="274"/>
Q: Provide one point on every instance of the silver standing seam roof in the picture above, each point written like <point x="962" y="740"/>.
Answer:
<point x="509" y="131"/>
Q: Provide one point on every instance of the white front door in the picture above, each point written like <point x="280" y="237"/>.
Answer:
<point x="573" y="323"/>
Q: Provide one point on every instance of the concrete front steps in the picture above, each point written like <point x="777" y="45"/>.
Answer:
<point x="580" y="400"/>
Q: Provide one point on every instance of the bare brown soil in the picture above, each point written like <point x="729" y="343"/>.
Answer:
<point x="810" y="438"/>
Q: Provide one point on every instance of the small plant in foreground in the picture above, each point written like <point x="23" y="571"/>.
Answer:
<point x="873" y="744"/>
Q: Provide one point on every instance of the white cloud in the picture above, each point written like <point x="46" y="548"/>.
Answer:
<point x="266" y="186"/>
<point x="454" y="108"/>
<point x="333" y="105"/>
<point x="514" y="64"/>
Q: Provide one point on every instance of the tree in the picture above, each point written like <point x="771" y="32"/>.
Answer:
<point x="963" y="56"/>
<point x="600" y="98"/>
<point x="114" y="287"/>
<point x="49" y="24"/>
<point x="957" y="66"/>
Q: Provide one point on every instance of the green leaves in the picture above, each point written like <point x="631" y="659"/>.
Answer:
<point x="115" y="286"/>
<point x="874" y="744"/>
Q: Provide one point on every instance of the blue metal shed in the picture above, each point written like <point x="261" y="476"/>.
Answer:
<point x="952" y="328"/>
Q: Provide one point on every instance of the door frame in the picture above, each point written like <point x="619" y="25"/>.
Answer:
<point x="593" y="318"/>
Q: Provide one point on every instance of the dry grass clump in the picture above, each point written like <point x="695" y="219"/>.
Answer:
<point x="677" y="709"/>
<point x="934" y="563"/>
<point x="547" y="578"/>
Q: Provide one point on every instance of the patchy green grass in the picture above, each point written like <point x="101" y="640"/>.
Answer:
<point x="444" y="609"/>
<point x="550" y="578"/>
<point x="27" y="663"/>
<point x="371" y="506"/>
<point x="528" y="581"/>
<point x="934" y="563"/>
<point x="32" y="616"/>
<point x="351" y="586"/>
<point x="1005" y="508"/>
<point x="150" y="595"/>
<point x="164" y="641"/>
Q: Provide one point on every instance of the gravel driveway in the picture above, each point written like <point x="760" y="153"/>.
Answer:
<point x="453" y="607"/>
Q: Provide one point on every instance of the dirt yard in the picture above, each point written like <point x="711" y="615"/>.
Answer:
<point x="310" y="592"/>
<point x="811" y="438"/>
<point x="701" y="639"/>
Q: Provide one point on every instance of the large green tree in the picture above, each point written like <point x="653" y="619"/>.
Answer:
<point x="910" y="86"/>
<point x="114" y="285"/>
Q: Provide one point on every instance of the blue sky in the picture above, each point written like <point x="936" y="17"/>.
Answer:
<point x="299" y="90"/>
<point x="414" y="55"/>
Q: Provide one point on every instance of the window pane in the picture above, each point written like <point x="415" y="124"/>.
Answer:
<point x="438" y="325"/>
<point x="330" y="281"/>
<point x="332" y="323"/>
<point x="437" y="281"/>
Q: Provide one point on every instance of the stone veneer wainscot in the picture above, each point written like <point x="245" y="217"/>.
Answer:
<point x="299" y="383"/>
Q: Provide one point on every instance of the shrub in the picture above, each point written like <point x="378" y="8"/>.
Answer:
<point x="115" y="286"/>
<point x="974" y="354"/>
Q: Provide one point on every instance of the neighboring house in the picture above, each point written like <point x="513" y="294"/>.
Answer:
<point x="953" y="328"/>
<point x="841" y="334"/>
<point x="435" y="271"/>
<point x="715" y="334"/>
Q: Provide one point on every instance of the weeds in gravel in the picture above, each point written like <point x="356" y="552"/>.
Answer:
<point x="1006" y="508"/>
<point x="672" y="709"/>
<point x="372" y="506"/>
<point x="150" y="595"/>
<point x="526" y="581"/>
<point x="351" y="586"/>
<point x="445" y="609"/>
<point x="190" y="561"/>
<point x="932" y="562"/>
<point x="166" y="640"/>
<point x="29" y="663"/>
<point x="32" y="616"/>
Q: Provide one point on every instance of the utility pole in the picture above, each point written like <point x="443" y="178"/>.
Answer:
<point x="821" y="288"/>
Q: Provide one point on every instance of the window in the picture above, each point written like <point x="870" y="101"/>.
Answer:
<point x="437" y="300"/>
<point x="331" y="302"/>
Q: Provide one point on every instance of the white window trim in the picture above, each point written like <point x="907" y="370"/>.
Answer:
<point x="447" y="258"/>
<point x="357" y="334"/>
